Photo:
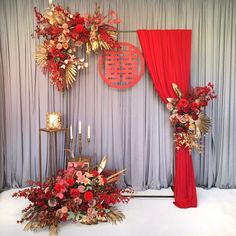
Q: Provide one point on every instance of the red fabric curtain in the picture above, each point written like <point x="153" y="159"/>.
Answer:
<point x="167" y="54"/>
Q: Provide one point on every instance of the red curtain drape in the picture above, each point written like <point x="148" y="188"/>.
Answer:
<point x="167" y="54"/>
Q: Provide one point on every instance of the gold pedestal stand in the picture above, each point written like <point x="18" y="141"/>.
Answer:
<point x="51" y="132"/>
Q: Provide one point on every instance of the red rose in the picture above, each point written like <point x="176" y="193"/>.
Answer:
<point x="79" y="28"/>
<point x="88" y="196"/>
<point x="183" y="103"/>
<point x="59" y="188"/>
<point x="74" y="192"/>
<point x="70" y="181"/>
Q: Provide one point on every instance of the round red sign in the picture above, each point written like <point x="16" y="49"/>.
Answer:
<point x="122" y="67"/>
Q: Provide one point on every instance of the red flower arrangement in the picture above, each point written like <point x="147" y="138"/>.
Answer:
<point x="64" y="34"/>
<point x="86" y="197"/>
<point x="187" y="115"/>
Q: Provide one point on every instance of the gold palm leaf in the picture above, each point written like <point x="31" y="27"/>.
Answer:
<point x="177" y="90"/>
<point x="41" y="56"/>
<point x="114" y="215"/>
<point x="203" y="123"/>
<point x="70" y="74"/>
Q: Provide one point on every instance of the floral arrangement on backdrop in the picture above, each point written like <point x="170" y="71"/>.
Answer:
<point x="187" y="115"/>
<point x="75" y="195"/>
<point x="68" y="37"/>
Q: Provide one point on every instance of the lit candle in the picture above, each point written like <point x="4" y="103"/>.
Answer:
<point x="88" y="131"/>
<point x="80" y="132"/>
<point x="71" y="133"/>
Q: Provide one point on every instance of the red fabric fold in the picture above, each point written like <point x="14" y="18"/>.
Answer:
<point x="184" y="182"/>
<point x="167" y="54"/>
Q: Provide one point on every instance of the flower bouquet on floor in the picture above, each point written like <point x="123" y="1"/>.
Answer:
<point x="85" y="197"/>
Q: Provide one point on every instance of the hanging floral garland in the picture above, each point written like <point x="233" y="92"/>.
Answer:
<point x="65" y="38"/>
<point x="187" y="117"/>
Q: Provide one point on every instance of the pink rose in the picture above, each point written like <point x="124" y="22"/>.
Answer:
<point x="169" y="106"/>
<point x="81" y="188"/>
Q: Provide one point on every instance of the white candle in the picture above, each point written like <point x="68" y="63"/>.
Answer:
<point x="71" y="133"/>
<point x="88" y="131"/>
<point x="80" y="132"/>
<point x="50" y="1"/>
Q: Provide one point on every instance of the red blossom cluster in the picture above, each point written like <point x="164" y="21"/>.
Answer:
<point x="74" y="195"/>
<point x="185" y="111"/>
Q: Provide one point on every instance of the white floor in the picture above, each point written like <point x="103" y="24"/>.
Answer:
<point x="214" y="216"/>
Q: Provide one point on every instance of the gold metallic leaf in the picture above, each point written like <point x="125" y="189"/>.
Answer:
<point x="202" y="124"/>
<point x="115" y="177"/>
<point x="177" y="90"/>
<point x="70" y="74"/>
<point x="114" y="215"/>
<point x="102" y="164"/>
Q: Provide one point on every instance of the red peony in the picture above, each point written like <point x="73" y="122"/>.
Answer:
<point x="88" y="196"/>
<point x="74" y="192"/>
<point x="70" y="181"/>
<point x="194" y="106"/>
<point x="59" y="188"/>
<point x="79" y="28"/>
<point x="183" y="103"/>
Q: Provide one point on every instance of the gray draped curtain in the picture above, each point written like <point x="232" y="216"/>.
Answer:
<point x="130" y="126"/>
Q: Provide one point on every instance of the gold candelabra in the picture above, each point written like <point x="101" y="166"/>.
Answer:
<point x="81" y="144"/>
